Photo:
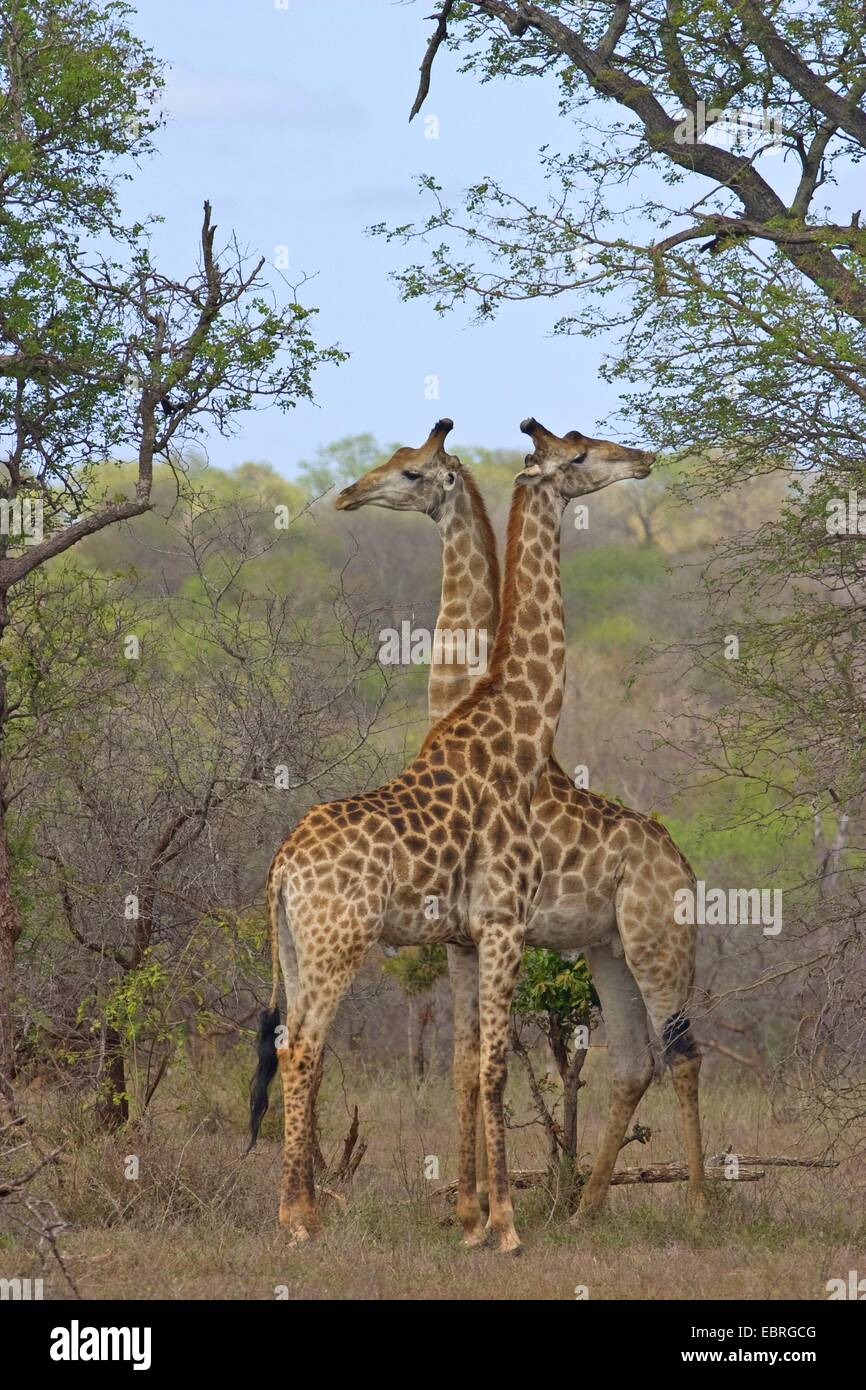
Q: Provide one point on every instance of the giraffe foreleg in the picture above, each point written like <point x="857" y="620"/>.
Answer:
<point x="500" y="949"/>
<point x="482" y="1176"/>
<point x="463" y="969"/>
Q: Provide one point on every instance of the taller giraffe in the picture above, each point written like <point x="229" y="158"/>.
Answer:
<point x="453" y="827"/>
<point x="609" y="873"/>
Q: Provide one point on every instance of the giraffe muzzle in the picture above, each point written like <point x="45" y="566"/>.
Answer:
<point x="348" y="500"/>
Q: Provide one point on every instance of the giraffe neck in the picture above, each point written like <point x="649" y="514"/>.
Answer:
<point x="469" y="601"/>
<point x="528" y="664"/>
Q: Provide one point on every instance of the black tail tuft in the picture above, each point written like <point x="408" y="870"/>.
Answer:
<point x="677" y="1037"/>
<point x="269" y="1021"/>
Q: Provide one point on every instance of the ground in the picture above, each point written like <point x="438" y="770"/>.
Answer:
<point x="199" y="1221"/>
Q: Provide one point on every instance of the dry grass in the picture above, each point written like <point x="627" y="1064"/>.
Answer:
<point x="199" y="1221"/>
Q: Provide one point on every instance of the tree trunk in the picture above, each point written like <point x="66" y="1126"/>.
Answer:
<point x="8" y="935"/>
<point x="418" y="1021"/>
<point x="571" y="1084"/>
<point x="10" y="923"/>
<point x="569" y="1065"/>
<point x="424" y="1018"/>
<point x="112" y="1106"/>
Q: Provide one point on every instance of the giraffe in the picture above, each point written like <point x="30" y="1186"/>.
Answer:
<point x="430" y="480"/>
<point x="453" y="830"/>
<point x="609" y="873"/>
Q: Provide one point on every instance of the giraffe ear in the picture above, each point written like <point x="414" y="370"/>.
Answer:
<point x="449" y="480"/>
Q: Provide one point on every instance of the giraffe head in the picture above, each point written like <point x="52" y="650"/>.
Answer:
<point x="413" y="480"/>
<point x="577" y="464"/>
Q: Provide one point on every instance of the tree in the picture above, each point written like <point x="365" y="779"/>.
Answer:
<point x="101" y="353"/>
<point x="736" y="299"/>
<point x="343" y="461"/>
<point x="558" y="995"/>
<point x="416" y="969"/>
<point x="160" y="784"/>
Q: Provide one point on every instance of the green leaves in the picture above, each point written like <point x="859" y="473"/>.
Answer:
<point x="417" y="968"/>
<point x="732" y="302"/>
<point x="555" y="987"/>
<point x="81" y="92"/>
<point x="101" y="353"/>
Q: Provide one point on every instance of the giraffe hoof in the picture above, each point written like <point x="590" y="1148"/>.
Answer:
<point x="299" y="1236"/>
<point x="510" y="1244"/>
<point x="298" y="1229"/>
<point x="476" y="1239"/>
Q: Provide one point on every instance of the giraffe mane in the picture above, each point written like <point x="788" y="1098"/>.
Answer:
<point x="510" y="595"/>
<point x="488" y="538"/>
<point x="488" y="682"/>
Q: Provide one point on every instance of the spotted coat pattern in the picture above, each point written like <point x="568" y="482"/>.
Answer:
<point x="609" y="874"/>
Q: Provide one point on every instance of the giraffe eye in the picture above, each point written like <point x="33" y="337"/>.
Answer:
<point x="411" y="475"/>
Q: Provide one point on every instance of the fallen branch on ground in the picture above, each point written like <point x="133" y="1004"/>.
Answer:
<point x="750" y="1161"/>
<point x="749" y="1169"/>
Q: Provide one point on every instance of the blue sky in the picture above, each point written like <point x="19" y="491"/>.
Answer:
<point x="291" y="117"/>
<point x="294" y="122"/>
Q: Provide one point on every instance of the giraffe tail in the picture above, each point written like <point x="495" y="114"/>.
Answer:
<point x="266" y="1046"/>
<point x="269" y="1022"/>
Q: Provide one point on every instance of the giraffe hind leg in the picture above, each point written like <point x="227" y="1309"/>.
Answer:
<point x="325" y="974"/>
<point x="631" y="1067"/>
<point x="661" y="955"/>
<point x="684" y="1059"/>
